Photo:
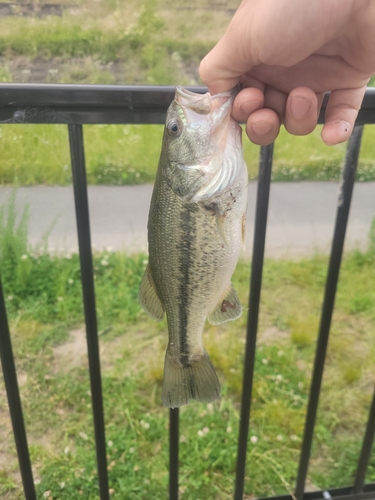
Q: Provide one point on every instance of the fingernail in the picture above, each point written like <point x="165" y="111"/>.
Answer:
<point x="261" y="128"/>
<point x="300" y="107"/>
<point x="250" y="106"/>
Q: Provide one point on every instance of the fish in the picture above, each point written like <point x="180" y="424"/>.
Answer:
<point x="196" y="229"/>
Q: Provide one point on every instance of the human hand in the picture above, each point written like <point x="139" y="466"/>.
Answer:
<point x="287" y="54"/>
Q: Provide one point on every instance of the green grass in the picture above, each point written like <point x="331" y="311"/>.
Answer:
<point x="44" y="302"/>
<point x="43" y="299"/>
<point x="135" y="34"/>
<point x="147" y="43"/>
<point x="114" y="154"/>
<point x="129" y="154"/>
<point x="110" y="31"/>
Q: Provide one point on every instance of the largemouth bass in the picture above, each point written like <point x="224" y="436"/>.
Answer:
<point x="195" y="234"/>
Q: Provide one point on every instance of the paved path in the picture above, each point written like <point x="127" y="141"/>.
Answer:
<point x="301" y="216"/>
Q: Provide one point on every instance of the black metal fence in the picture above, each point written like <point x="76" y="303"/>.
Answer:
<point x="76" y="105"/>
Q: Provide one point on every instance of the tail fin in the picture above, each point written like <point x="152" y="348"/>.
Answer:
<point x="194" y="379"/>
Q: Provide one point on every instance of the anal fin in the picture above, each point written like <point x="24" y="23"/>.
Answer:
<point x="229" y="308"/>
<point x="149" y="298"/>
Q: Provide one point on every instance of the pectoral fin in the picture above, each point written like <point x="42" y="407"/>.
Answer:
<point x="149" y="298"/>
<point x="227" y="309"/>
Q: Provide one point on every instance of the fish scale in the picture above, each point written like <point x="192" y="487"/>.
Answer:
<point x="194" y="240"/>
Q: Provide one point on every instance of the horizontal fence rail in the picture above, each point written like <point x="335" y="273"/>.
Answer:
<point x="76" y="105"/>
<point x="101" y="104"/>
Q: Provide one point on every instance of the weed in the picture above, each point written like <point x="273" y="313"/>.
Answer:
<point x="361" y="303"/>
<point x="371" y="237"/>
<point x="134" y="36"/>
<point x="7" y="484"/>
<point x="44" y="303"/>
<point x="136" y="424"/>
<point x="146" y="43"/>
<point x="143" y="43"/>
<point x="86" y="71"/>
<point x="34" y="154"/>
<point x="116" y="155"/>
<point x="303" y="329"/>
<point x="5" y="75"/>
<point x="351" y="374"/>
<point x="14" y="251"/>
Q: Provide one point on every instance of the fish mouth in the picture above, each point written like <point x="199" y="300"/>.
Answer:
<point x="199" y="103"/>
<point x="217" y="106"/>
<point x="189" y="95"/>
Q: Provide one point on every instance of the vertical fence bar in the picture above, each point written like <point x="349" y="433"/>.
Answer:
<point x="14" y="401"/>
<point x="264" y="180"/>
<point x="173" y="453"/>
<point x="342" y="215"/>
<point x="364" y="458"/>
<point x="84" y="240"/>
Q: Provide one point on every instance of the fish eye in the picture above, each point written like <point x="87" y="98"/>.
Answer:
<point x="174" y="128"/>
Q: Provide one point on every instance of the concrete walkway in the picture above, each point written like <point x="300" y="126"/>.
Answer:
<point x="300" y="222"/>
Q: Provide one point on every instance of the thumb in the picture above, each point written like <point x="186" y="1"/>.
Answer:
<point x="223" y="67"/>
